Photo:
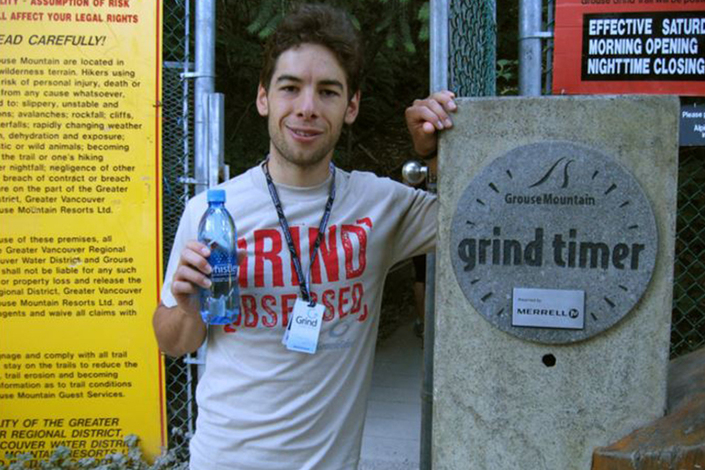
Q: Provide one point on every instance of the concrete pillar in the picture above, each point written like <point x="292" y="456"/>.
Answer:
<point x="554" y="280"/>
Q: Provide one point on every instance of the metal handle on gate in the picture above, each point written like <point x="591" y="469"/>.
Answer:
<point x="414" y="172"/>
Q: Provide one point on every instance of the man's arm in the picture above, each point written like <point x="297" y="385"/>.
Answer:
<point x="179" y="329"/>
<point x="425" y="118"/>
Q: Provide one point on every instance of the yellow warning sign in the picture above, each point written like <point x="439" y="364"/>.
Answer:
<point x="80" y="246"/>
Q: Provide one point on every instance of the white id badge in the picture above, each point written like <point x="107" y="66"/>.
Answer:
<point x="305" y="324"/>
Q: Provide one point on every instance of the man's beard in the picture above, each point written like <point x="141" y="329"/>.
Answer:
<point x="302" y="159"/>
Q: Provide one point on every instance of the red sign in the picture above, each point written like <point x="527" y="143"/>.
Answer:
<point x="630" y="46"/>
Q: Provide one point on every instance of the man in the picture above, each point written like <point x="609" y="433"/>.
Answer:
<point x="261" y="404"/>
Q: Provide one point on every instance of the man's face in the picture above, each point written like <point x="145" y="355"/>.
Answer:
<point x="306" y="105"/>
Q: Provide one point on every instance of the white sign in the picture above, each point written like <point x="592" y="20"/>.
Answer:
<point x="548" y="308"/>
<point x="304" y="327"/>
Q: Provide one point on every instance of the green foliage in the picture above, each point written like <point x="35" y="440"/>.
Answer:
<point x="133" y="460"/>
<point x="424" y="16"/>
<point x="507" y="47"/>
<point x="507" y="77"/>
<point x="266" y="15"/>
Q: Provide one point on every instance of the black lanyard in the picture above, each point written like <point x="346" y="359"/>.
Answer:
<point x="287" y="233"/>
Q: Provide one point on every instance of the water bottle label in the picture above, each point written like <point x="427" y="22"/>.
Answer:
<point x="226" y="270"/>
<point x="224" y="265"/>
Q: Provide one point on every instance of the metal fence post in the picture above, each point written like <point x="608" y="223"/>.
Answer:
<point x="529" y="48"/>
<point x="205" y="84"/>
<point x="216" y="138"/>
<point x="438" y="43"/>
<point x="530" y="36"/>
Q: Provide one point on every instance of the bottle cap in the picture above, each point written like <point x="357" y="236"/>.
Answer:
<point x="216" y="195"/>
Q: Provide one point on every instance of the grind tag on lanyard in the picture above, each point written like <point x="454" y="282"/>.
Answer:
<point x="302" y="333"/>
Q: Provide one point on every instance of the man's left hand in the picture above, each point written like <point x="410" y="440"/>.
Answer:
<point x="425" y="118"/>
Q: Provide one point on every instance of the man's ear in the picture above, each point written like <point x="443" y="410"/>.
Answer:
<point x="353" y="108"/>
<point x="262" y="102"/>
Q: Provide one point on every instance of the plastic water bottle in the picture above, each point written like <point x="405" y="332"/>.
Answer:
<point x="220" y="304"/>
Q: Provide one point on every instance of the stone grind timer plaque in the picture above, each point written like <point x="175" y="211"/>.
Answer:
<point x="553" y="242"/>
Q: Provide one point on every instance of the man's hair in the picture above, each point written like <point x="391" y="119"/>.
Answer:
<point x="322" y="25"/>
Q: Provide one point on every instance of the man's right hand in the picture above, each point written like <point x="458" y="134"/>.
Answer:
<point x="191" y="275"/>
<point x="180" y="330"/>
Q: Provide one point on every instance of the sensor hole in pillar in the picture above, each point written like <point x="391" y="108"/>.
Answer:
<point x="549" y="360"/>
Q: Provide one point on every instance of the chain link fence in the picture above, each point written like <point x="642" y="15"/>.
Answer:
<point x="177" y="165"/>
<point x="688" y="322"/>
<point x="472" y="45"/>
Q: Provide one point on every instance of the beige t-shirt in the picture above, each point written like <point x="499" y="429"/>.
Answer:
<point x="261" y="406"/>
